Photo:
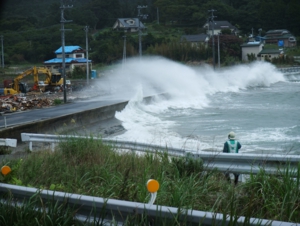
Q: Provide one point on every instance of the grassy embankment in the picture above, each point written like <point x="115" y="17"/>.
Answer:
<point x="88" y="167"/>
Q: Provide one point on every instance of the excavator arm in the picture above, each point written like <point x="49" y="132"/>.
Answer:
<point x="46" y="71"/>
<point x="17" y="80"/>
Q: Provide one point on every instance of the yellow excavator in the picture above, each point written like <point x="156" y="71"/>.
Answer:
<point x="51" y="82"/>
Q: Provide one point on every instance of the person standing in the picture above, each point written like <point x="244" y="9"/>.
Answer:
<point x="232" y="146"/>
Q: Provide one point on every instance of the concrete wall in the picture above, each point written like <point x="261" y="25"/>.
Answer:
<point x="64" y="123"/>
<point x="60" y="125"/>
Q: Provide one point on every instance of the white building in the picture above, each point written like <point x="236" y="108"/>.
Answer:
<point x="251" y="48"/>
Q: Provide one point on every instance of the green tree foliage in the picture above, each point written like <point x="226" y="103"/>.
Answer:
<point x="184" y="51"/>
<point x="32" y="33"/>
<point x="85" y="17"/>
<point x="283" y="60"/>
<point x="251" y="57"/>
<point x="106" y="11"/>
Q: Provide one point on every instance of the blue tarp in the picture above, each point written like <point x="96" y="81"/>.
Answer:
<point x="280" y="43"/>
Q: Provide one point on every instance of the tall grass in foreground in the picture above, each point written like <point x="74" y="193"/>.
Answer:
<point x="87" y="166"/>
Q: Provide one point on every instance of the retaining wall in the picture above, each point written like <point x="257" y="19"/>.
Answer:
<point x="62" y="124"/>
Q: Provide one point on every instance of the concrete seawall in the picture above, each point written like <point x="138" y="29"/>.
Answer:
<point x="66" y="123"/>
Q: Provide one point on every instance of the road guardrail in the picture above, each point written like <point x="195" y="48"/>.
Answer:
<point x="118" y="211"/>
<point x="225" y="162"/>
<point x="8" y="142"/>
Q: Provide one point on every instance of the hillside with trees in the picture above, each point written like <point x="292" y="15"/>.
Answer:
<point x="31" y="29"/>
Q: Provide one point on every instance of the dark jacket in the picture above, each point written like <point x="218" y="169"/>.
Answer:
<point x="226" y="148"/>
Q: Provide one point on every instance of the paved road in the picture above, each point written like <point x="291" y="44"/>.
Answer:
<point x="17" y="118"/>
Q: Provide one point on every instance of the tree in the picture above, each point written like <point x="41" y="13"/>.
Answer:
<point x="84" y="17"/>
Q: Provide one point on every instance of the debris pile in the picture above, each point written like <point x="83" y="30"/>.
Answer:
<point x="22" y="103"/>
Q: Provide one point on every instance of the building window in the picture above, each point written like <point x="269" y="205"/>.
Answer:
<point x="67" y="55"/>
<point x="78" y="55"/>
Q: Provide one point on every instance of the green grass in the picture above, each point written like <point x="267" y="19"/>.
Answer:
<point x="57" y="101"/>
<point x="88" y="167"/>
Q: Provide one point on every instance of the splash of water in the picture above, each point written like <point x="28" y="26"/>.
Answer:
<point x="188" y="87"/>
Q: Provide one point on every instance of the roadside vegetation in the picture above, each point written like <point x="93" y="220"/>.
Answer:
<point x="88" y="167"/>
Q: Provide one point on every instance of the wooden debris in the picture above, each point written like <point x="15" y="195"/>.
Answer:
<point x="23" y="103"/>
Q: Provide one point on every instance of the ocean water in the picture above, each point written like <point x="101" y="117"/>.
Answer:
<point x="256" y="101"/>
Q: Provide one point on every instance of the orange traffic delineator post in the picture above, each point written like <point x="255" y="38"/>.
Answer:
<point x="152" y="186"/>
<point x="5" y="170"/>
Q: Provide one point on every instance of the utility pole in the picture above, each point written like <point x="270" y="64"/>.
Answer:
<point x="63" y="21"/>
<point x="219" y="50"/>
<point x="86" y="29"/>
<point x="2" y="52"/>
<point x="124" y="51"/>
<point x="140" y="16"/>
<point x="213" y="37"/>
<point x="259" y="30"/>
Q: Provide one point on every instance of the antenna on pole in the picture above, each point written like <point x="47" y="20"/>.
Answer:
<point x="63" y="21"/>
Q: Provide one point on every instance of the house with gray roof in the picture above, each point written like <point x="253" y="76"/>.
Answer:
<point x="270" y="54"/>
<point x="128" y="24"/>
<point x="280" y="35"/>
<point x="74" y="57"/>
<point x="218" y="26"/>
<point x="195" y="39"/>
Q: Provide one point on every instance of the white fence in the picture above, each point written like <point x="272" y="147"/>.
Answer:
<point x="234" y="163"/>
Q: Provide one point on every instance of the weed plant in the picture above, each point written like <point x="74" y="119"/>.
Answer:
<point x="87" y="166"/>
<point x="57" y="101"/>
